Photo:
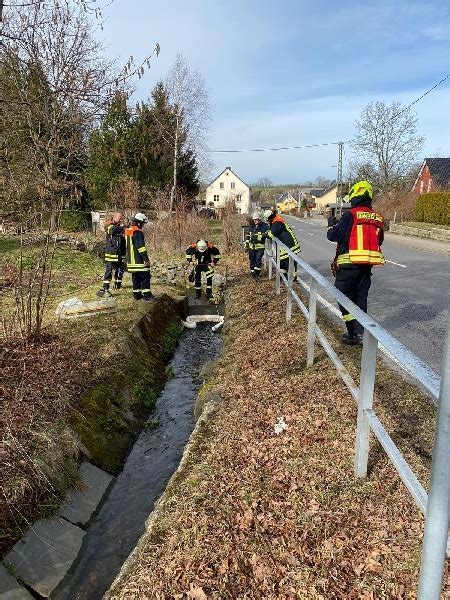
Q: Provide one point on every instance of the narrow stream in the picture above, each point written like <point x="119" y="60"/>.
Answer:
<point x="153" y="459"/>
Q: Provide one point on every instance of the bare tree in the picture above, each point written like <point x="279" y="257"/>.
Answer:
<point x="56" y="83"/>
<point x="386" y="143"/>
<point x="189" y="95"/>
<point x="264" y="182"/>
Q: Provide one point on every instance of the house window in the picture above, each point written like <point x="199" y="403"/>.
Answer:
<point x="430" y="183"/>
<point x="421" y="186"/>
<point x="222" y="185"/>
<point x="233" y="185"/>
<point x="216" y="197"/>
<point x="238" y="198"/>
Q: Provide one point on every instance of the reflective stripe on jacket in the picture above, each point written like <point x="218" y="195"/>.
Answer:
<point x="282" y="231"/>
<point x="255" y="239"/>
<point x="364" y="240"/>
<point x="136" y="252"/>
<point x="211" y="254"/>
<point x="115" y="243"/>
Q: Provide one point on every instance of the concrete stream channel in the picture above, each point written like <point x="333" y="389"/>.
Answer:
<point x="78" y="554"/>
<point x="120" y="522"/>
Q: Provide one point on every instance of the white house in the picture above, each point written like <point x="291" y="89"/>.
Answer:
<point x="228" y="187"/>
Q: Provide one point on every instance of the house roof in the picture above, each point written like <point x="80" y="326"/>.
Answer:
<point x="333" y="186"/>
<point x="286" y="196"/>
<point x="316" y="192"/>
<point x="231" y="170"/>
<point x="439" y="170"/>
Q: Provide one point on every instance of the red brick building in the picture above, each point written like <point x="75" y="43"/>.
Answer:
<point x="434" y="175"/>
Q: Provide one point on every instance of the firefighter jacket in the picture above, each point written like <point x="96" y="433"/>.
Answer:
<point x="210" y="256"/>
<point x="115" y="242"/>
<point x="137" y="257"/>
<point x="282" y="231"/>
<point x="359" y="234"/>
<point x="255" y="239"/>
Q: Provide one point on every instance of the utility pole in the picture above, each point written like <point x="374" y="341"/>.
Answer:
<point x="339" y="181"/>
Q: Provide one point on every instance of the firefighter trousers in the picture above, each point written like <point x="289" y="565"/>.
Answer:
<point x="209" y="272"/>
<point x="354" y="282"/>
<point x="255" y="257"/>
<point x="117" y="268"/>
<point x="284" y="267"/>
<point x="141" y="284"/>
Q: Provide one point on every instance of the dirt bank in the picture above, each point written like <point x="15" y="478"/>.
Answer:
<point x="256" y="514"/>
<point x="83" y="390"/>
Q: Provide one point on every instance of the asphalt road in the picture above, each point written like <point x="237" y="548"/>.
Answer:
<point x="409" y="297"/>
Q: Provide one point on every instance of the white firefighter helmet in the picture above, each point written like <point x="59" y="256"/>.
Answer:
<point x="268" y="213"/>
<point x="140" y="217"/>
<point x="201" y="246"/>
<point x="256" y="215"/>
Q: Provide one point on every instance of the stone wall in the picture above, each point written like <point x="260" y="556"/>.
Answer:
<point x="443" y="235"/>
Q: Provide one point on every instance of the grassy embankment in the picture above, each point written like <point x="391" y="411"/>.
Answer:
<point x="85" y="388"/>
<point x="82" y="390"/>
<point x="253" y="514"/>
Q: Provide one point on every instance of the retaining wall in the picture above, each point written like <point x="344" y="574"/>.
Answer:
<point x="443" y="235"/>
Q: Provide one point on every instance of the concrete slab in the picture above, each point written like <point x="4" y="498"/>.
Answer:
<point x="82" y="503"/>
<point x="203" y="307"/>
<point x="43" y="557"/>
<point x="10" y="588"/>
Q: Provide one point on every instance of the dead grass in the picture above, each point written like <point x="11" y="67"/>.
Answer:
<point x="42" y="381"/>
<point x="260" y="515"/>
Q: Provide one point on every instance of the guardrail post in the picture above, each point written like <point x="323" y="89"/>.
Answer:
<point x="366" y="387"/>
<point x="289" y="289"/>
<point x="277" y="271"/>
<point x="269" y="252"/>
<point x="311" y="322"/>
<point x="437" y="518"/>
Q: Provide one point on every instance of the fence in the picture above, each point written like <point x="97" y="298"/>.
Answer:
<point x="436" y="505"/>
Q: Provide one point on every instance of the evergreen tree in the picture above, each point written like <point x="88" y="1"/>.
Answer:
<point x="109" y="150"/>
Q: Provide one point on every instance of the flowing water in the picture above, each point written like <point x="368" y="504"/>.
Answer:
<point x="153" y="459"/>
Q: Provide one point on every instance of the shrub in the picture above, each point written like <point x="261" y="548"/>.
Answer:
<point x="74" y="220"/>
<point x="400" y="205"/>
<point x="434" y="207"/>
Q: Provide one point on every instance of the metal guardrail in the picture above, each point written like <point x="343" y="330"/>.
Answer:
<point x="437" y="543"/>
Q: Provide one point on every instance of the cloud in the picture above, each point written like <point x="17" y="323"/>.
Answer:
<point x="294" y="72"/>
<point x="329" y="119"/>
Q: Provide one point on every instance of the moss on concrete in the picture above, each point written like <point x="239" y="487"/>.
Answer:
<point x="111" y="414"/>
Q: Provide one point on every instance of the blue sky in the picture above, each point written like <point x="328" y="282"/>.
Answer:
<point x="294" y="72"/>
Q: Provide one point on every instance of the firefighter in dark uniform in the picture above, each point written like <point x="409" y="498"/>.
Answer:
<point x="359" y="234"/>
<point x="282" y="231"/>
<point x="255" y="244"/>
<point x="138" y="264"/>
<point x="204" y="256"/>
<point x="114" y="254"/>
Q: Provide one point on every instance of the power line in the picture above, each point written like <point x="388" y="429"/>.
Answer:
<point x="417" y="100"/>
<point x="277" y="149"/>
<point x="330" y="143"/>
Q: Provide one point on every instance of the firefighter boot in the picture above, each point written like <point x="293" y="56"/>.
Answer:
<point x="104" y="291"/>
<point x="352" y="337"/>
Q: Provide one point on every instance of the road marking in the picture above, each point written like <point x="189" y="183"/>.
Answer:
<point x="307" y="233"/>
<point x="398" y="264"/>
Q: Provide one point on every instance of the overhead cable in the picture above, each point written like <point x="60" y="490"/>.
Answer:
<point x="329" y="143"/>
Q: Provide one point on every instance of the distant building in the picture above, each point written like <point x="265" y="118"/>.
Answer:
<point x="228" y="187"/>
<point x="434" y="175"/>
<point x="286" y="202"/>
<point x="329" y="196"/>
